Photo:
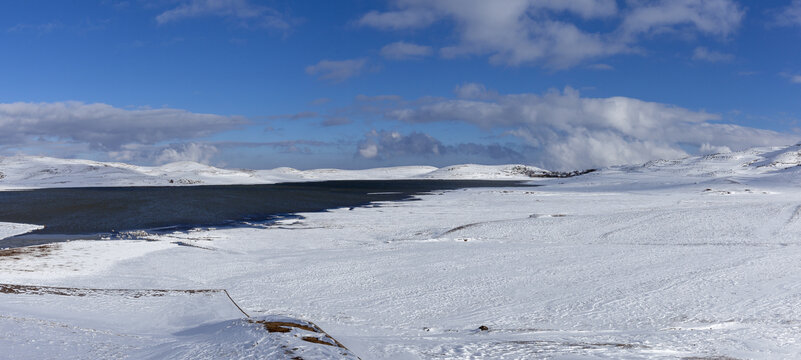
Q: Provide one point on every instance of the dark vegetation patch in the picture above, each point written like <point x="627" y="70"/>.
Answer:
<point x="523" y="170"/>
<point x="72" y="291"/>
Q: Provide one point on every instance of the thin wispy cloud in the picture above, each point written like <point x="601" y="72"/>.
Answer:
<point x="337" y="70"/>
<point x="295" y="116"/>
<point x="249" y="14"/>
<point x="336" y="121"/>
<point x="790" y="15"/>
<point x="793" y="78"/>
<point x="602" y="67"/>
<point x="405" y="51"/>
<point x="701" y="53"/>
<point x="37" y="28"/>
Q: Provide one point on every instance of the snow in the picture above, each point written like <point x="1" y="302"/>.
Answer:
<point x="11" y="229"/>
<point x="31" y="172"/>
<point x="685" y="258"/>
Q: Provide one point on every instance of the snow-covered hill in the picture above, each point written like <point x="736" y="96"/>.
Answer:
<point x="20" y="172"/>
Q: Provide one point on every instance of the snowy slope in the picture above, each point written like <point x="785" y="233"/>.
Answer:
<point x="692" y="258"/>
<point x="494" y="172"/>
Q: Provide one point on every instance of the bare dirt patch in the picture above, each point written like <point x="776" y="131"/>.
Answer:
<point x="33" y="251"/>
<point x="285" y="327"/>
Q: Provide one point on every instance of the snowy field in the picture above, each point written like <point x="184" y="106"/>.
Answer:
<point x="695" y="258"/>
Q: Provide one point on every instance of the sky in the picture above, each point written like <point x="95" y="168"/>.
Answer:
<point x="562" y="85"/>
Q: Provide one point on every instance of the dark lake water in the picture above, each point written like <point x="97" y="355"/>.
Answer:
<point x="109" y="211"/>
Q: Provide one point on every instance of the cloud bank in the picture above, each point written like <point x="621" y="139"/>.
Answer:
<point x="553" y="32"/>
<point x="388" y="145"/>
<point x="104" y="127"/>
<point x="567" y="131"/>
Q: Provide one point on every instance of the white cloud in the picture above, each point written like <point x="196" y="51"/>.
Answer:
<point x="139" y="153"/>
<point x="368" y="151"/>
<point x="706" y="148"/>
<point x="394" y="20"/>
<point x="403" y="51"/>
<point x="790" y="15"/>
<point x="243" y="10"/>
<point x="570" y="132"/>
<point x="473" y="91"/>
<point x="105" y="127"/>
<point x="383" y="144"/>
<point x="516" y="32"/>
<point x="337" y="70"/>
<point x="703" y="54"/>
<point x="714" y="17"/>
<point x="201" y="153"/>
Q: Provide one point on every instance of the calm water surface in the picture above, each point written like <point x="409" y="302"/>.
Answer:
<point x="101" y="212"/>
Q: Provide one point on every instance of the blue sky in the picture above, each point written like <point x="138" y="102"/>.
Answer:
<point x="358" y="84"/>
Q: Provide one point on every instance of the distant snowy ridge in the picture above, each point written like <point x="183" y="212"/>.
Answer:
<point x="755" y="161"/>
<point x="26" y="172"/>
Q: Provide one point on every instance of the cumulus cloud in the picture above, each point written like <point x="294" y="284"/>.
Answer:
<point x="105" y="127"/>
<point x="201" y="153"/>
<point x="701" y="53"/>
<point x="337" y="70"/>
<point x="473" y="91"/>
<point x="516" y="32"/>
<point x="568" y="131"/>
<point x="242" y="10"/>
<point x="405" y="51"/>
<point x="162" y="154"/>
<point x="790" y="15"/>
<point x="387" y="145"/>
<point x="391" y="143"/>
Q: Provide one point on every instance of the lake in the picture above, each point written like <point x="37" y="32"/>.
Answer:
<point x="106" y="211"/>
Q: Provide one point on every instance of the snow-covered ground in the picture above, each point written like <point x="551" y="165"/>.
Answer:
<point x="693" y="258"/>
<point x="29" y="172"/>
